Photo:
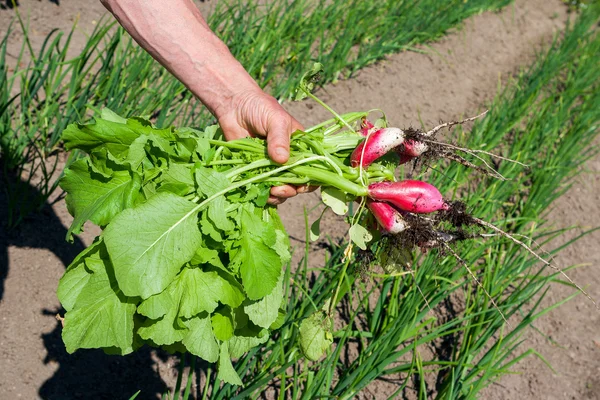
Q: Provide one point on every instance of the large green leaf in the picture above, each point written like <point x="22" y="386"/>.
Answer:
<point x="115" y="136"/>
<point x="76" y="277"/>
<point x="259" y="263"/>
<point x="200" y="339"/>
<point x="226" y="372"/>
<point x="93" y="197"/>
<point x="149" y="244"/>
<point x="102" y="316"/>
<point x="191" y="293"/>
<point x="266" y="310"/>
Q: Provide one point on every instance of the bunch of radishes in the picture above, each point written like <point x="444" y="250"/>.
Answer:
<point x="390" y="202"/>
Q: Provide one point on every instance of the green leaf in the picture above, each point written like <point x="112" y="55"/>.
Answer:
<point x="76" y="277"/>
<point x="246" y="339"/>
<point x="222" y="324"/>
<point x="308" y="81"/>
<point x="259" y="263"/>
<point x="264" y="312"/>
<point x="93" y="197"/>
<point x="144" y="144"/>
<point x="315" y="228"/>
<point x="209" y="183"/>
<point x="102" y="317"/>
<point x="200" y="339"/>
<point x="112" y="116"/>
<point x="114" y="136"/>
<point x="360" y="236"/>
<point x="226" y="372"/>
<point x="204" y="255"/>
<point x="280" y="320"/>
<point x="177" y="179"/>
<point x="167" y="329"/>
<point x="282" y="246"/>
<point x="335" y="199"/>
<point x="315" y="335"/>
<point x="192" y="292"/>
<point x="208" y="228"/>
<point x="149" y="244"/>
<point x="204" y="290"/>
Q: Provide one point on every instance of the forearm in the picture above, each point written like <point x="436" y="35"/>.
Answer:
<point x="176" y="35"/>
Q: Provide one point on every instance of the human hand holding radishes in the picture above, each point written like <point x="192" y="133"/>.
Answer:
<point x="204" y="64"/>
<point x="255" y="113"/>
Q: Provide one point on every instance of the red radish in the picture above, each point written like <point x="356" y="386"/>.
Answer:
<point x="411" y="149"/>
<point x="414" y="148"/>
<point x="388" y="217"/>
<point x="378" y="144"/>
<point x="413" y="196"/>
<point x="367" y="127"/>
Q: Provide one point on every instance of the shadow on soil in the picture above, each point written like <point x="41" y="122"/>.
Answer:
<point x="86" y="374"/>
<point x="91" y="374"/>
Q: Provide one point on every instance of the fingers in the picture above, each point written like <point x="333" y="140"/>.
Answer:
<point x="275" y="201"/>
<point x="283" y="192"/>
<point x="280" y="194"/>
<point x="278" y="139"/>
<point x="280" y="127"/>
<point x="306" y="189"/>
<point x="232" y="129"/>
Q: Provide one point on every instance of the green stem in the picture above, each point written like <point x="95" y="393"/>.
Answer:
<point x="321" y="151"/>
<point x="262" y="177"/>
<point x="207" y="384"/>
<point x="227" y="162"/>
<point x="346" y="118"/>
<point x="330" y="179"/>
<point x="253" y="165"/>
<point x="218" y="152"/>
<point x="179" y="376"/>
<point x="293" y="181"/>
<point x="333" y="302"/>
<point x="188" y="386"/>
<point x="331" y="110"/>
<point x="238" y="144"/>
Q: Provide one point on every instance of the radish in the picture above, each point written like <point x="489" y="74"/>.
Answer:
<point x="388" y="217"/>
<point x="378" y="144"/>
<point x="366" y="128"/>
<point x="413" y="196"/>
<point x="410" y="149"/>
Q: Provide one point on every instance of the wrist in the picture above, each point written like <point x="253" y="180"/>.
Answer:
<point x="219" y="81"/>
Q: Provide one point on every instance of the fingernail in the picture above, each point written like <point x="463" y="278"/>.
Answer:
<point x="281" y="153"/>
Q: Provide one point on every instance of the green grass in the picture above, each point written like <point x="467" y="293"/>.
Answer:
<point x="275" y="41"/>
<point x="547" y="118"/>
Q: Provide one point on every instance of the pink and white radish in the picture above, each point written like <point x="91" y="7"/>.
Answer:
<point x="410" y="149"/>
<point x="366" y="128"/>
<point x="409" y="195"/>
<point x="389" y="218"/>
<point x="376" y="145"/>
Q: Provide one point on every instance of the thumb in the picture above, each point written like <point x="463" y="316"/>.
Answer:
<point x="278" y="138"/>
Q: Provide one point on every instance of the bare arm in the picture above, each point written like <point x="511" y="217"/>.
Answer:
<point x="176" y="35"/>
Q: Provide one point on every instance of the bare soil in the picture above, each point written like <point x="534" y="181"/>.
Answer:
<point x="458" y="76"/>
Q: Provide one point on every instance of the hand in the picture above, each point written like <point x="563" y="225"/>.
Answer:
<point x="255" y="113"/>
